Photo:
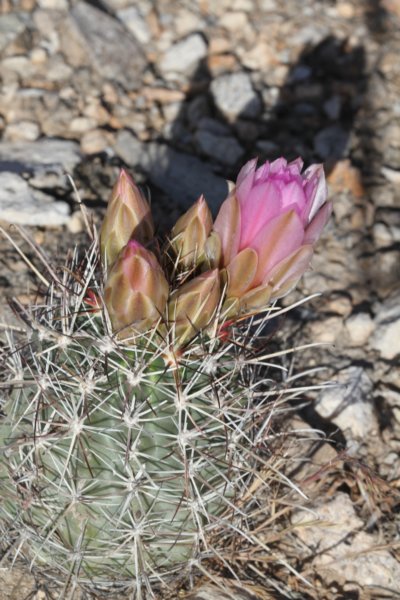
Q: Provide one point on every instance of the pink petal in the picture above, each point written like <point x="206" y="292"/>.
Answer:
<point x="262" y="172"/>
<point x="278" y="165"/>
<point x="314" y="230"/>
<point x="227" y="225"/>
<point x="262" y="205"/>
<point x="276" y="241"/>
<point x="293" y="197"/>
<point x="295" y="166"/>
<point x="245" y="180"/>
<point x="315" y="190"/>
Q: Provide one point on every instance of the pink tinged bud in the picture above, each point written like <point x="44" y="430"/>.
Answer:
<point x="227" y="226"/>
<point x="213" y="250"/>
<point x="128" y="216"/>
<point x="190" y="233"/>
<point x="193" y="306"/>
<point x="136" y="291"/>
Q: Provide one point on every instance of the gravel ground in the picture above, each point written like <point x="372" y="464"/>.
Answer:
<point x="182" y="93"/>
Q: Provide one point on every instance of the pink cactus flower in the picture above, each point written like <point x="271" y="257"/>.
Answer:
<point x="267" y="229"/>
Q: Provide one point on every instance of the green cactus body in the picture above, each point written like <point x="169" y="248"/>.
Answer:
<point x="116" y="466"/>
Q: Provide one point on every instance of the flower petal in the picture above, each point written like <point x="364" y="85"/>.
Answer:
<point x="227" y="225"/>
<point x="263" y="204"/>
<point x="241" y="272"/>
<point x="245" y="179"/>
<point x="314" y="230"/>
<point x="290" y="269"/>
<point x="256" y="299"/>
<point x="315" y="190"/>
<point x="293" y="197"/>
<point x="277" y="240"/>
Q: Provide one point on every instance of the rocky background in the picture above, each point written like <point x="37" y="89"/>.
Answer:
<point x="182" y="93"/>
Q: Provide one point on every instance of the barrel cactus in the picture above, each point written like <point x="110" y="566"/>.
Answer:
<point x="139" y="393"/>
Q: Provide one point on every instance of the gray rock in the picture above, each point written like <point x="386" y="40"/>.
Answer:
<point x="184" y="56"/>
<point x="11" y="26"/>
<point x="18" y="157"/>
<point x="182" y="176"/>
<point x="226" y="150"/>
<point x="128" y="147"/>
<point x="234" y="95"/>
<point x="114" y="51"/>
<point x="45" y="161"/>
<point x="331" y="142"/>
<point x="19" y="204"/>
<point x="349" y="404"/>
<point x="132" y="18"/>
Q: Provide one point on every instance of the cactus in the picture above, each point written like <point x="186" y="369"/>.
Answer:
<point x="139" y="409"/>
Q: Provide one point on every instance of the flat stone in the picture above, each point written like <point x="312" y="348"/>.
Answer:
<point x="349" y="404"/>
<point x="184" y="56"/>
<point x="113" y="50"/>
<point x="20" y="205"/>
<point x="225" y="150"/>
<point x="41" y="155"/>
<point x="235" y="96"/>
<point x="183" y="177"/>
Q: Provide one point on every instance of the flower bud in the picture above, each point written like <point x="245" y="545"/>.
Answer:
<point x="128" y="216"/>
<point x="193" y="306"/>
<point x="190" y="233"/>
<point x="136" y="290"/>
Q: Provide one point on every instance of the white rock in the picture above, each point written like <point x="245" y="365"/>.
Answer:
<point x="22" y="130"/>
<point x="234" y="96"/>
<point x="19" y="204"/>
<point x="53" y="4"/>
<point x="359" y="327"/>
<point x="134" y="21"/>
<point x="386" y="338"/>
<point x="349" y="404"/>
<point x="392" y="175"/>
<point x="185" y="55"/>
<point x="340" y="551"/>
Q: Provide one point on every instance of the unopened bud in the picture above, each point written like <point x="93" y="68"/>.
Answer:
<point x="190" y="233"/>
<point x="193" y="306"/>
<point x="136" y="290"/>
<point x="127" y="217"/>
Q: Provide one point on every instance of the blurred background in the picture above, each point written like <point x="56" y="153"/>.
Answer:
<point x="182" y="93"/>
